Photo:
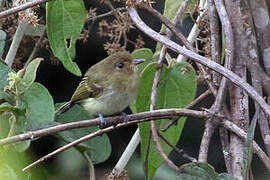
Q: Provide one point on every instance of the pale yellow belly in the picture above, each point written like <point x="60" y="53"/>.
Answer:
<point x="108" y="104"/>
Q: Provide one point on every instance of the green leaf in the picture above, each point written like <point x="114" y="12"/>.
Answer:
<point x="226" y="176"/>
<point x="4" y="125"/>
<point x="3" y="36"/>
<point x="30" y="72"/>
<point x="4" y="70"/>
<point x="248" y="149"/>
<point x="201" y="171"/>
<point x="39" y="107"/>
<point x="21" y="146"/>
<point x="143" y="53"/>
<point x="11" y="165"/>
<point x="5" y="107"/>
<point x="98" y="149"/>
<point x="65" y="20"/>
<point x="176" y="89"/>
<point x="6" y="172"/>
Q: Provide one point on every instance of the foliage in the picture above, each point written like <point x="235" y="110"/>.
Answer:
<point x="201" y="171"/>
<point x="97" y="149"/>
<point x="65" y="20"/>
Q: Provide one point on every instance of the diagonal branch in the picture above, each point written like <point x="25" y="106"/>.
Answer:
<point x="200" y="59"/>
<point x="21" y="7"/>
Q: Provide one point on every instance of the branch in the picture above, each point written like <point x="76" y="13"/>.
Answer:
<point x="16" y="42"/>
<point x="133" y="118"/>
<point x="243" y="135"/>
<point x="200" y="59"/>
<point x="212" y="123"/>
<point x="22" y="7"/>
<point x="147" y="116"/>
<point x="190" y="105"/>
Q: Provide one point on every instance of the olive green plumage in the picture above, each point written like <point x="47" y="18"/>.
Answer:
<point x="108" y="86"/>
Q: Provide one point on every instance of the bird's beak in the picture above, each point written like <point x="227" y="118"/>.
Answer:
<point x="138" y="61"/>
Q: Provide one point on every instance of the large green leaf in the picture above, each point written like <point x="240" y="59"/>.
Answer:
<point x="11" y="165"/>
<point x="97" y="149"/>
<point x="65" y="20"/>
<point x="176" y="89"/>
<point x="39" y="107"/>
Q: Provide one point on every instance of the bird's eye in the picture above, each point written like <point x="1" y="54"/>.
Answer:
<point x="120" y="65"/>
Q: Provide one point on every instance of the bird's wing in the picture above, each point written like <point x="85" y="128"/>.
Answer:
<point x="86" y="90"/>
<point x="83" y="91"/>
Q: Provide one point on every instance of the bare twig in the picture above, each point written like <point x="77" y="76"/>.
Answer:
<point x="152" y="107"/>
<point x="38" y="43"/>
<point x="160" y="148"/>
<point x="180" y="151"/>
<point x="22" y="7"/>
<point x="190" y="105"/>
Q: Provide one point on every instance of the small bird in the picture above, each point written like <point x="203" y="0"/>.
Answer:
<point x="108" y="87"/>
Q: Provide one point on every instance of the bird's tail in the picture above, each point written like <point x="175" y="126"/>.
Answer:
<point x="65" y="107"/>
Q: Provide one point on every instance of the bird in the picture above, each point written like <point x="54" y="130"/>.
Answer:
<point x="108" y="87"/>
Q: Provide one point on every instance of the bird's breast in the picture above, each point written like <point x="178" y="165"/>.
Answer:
<point x="110" y="102"/>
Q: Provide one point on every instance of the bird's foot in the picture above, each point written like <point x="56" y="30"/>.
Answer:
<point x="103" y="121"/>
<point x="125" y="117"/>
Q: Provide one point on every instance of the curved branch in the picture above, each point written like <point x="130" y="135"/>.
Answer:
<point x="200" y="59"/>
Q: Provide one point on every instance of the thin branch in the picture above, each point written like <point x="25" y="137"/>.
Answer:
<point x="143" y="116"/>
<point x="190" y="105"/>
<point x="212" y="123"/>
<point x="243" y="135"/>
<point x="152" y="108"/>
<point x="180" y="151"/>
<point x="160" y="148"/>
<point x="38" y="43"/>
<point x="215" y="34"/>
<point x="146" y="116"/>
<point x="200" y="59"/>
<point x="22" y="7"/>
<point x="106" y="14"/>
